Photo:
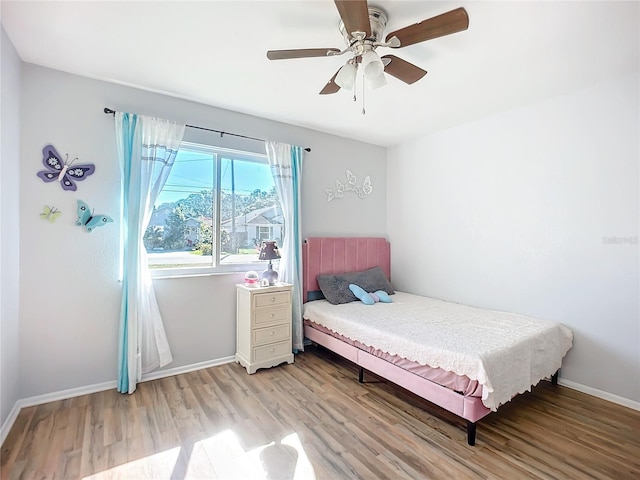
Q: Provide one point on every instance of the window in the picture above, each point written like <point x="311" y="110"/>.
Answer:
<point x="213" y="212"/>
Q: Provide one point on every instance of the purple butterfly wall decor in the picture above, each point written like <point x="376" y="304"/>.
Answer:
<point x="63" y="171"/>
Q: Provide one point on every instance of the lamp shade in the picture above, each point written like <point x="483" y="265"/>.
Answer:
<point x="269" y="251"/>
<point x="372" y="66"/>
<point x="377" y="82"/>
<point x="346" y="76"/>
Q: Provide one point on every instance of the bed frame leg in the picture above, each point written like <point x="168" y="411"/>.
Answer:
<point x="471" y="433"/>
<point x="361" y="375"/>
<point x="554" y="378"/>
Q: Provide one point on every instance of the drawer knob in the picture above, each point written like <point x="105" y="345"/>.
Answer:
<point x="272" y="350"/>
<point x="273" y="299"/>
<point x="272" y="315"/>
<point x="271" y="332"/>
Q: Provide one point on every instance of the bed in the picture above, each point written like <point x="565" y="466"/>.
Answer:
<point x="466" y="360"/>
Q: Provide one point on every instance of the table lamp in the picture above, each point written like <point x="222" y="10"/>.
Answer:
<point x="269" y="251"/>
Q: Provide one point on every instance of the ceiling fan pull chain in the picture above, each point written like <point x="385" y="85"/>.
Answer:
<point x="363" y="80"/>
<point x="355" y="86"/>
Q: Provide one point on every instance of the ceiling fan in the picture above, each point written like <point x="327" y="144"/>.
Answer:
<point x="362" y="27"/>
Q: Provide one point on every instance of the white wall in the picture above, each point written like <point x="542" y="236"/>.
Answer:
<point x="69" y="290"/>
<point x="514" y="212"/>
<point x="10" y="72"/>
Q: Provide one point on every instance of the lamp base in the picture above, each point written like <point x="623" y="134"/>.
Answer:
<point x="270" y="274"/>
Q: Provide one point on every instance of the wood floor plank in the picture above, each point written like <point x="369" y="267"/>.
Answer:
<point x="16" y="438"/>
<point x="313" y="419"/>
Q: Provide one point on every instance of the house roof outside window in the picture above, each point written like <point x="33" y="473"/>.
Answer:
<point x="265" y="216"/>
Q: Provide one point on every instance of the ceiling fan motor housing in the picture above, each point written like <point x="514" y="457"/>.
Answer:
<point x="359" y="44"/>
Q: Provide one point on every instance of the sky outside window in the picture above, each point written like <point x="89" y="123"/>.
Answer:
<point x="193" y="172"/>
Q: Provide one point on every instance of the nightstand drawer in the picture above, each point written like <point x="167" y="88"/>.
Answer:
<point x="271" y="351"/>
<point x="271" y="334"/>
<point x="281" y="315"/>
<point x="270" y="299"/>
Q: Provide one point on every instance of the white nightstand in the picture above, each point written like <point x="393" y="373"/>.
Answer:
<point x="263" y="337"/>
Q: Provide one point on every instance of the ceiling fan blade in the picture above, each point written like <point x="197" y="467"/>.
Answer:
<point x="355" y="16"/>
<point x="300" y="53"/>
<point x="331" y="86"/>
<point x="445" y="24"/>
<point x="403" y="70"/>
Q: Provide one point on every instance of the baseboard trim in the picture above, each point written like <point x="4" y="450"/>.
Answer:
<point x="186" y="368"/>
<point x="625" y="402"/>
<point x="99" y="387"/>
<point x="8" y="423"/>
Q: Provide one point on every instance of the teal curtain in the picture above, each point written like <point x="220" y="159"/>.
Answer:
<point x="147" y="149"/>
<point x="286" y="167"/>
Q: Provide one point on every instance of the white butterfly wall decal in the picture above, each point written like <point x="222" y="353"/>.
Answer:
<point x="337" y="193"/>
<point x="366" y="188"/>
<point x="351" y="186"/>
<point x="351" y="180"/>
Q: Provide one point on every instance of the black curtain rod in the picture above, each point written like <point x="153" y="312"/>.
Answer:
<point x="113" y="112"/>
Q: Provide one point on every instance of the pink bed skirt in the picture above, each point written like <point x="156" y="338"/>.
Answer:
<point x="459" y="383"/>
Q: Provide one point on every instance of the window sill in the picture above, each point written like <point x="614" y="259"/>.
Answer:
<point x="171" y="273"/>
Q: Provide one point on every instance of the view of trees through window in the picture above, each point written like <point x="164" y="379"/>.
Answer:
<point x="215" y="209"/>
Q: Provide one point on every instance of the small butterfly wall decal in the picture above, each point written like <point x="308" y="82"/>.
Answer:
<point x="351" y="180"/>
<point x="62" y="170"/>
<point x="338" y="193"/>
<point x="50" y="213"/>
<point x="366" y="188"/>
<point x="88" y="220"/>
<point x="351" y="186"/>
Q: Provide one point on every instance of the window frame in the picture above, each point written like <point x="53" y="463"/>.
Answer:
<point x="218" y="153"/>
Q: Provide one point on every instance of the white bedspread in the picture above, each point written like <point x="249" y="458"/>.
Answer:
<point x="507" y="353"/>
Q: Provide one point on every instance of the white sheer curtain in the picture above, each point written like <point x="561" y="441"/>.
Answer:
<point x="147" y="149"/>
<point x="286" y="165"/>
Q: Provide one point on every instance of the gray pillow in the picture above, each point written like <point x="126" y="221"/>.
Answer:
<point x="335" y="288"/>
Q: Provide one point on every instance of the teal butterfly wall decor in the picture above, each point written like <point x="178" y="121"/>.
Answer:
<point x="89" y="220"/>
<point x="50" y="213"/>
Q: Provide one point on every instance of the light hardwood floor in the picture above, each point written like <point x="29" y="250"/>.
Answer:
<point x="313" y="419"/>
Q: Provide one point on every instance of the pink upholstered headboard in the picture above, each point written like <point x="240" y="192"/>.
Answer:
<point x="340" y="255"/>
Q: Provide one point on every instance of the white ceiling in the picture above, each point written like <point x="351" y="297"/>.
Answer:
<point x="513" y="53"/>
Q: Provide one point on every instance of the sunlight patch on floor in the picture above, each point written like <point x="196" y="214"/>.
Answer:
<point x="158" y="466"/>
<point x="220" y="457"/>
<point x="283" y="460"/>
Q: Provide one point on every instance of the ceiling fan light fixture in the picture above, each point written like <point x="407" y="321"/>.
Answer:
<point x="377" y="82"/>
<point x="346" y="76"/>
<point x="372" y="66"/>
